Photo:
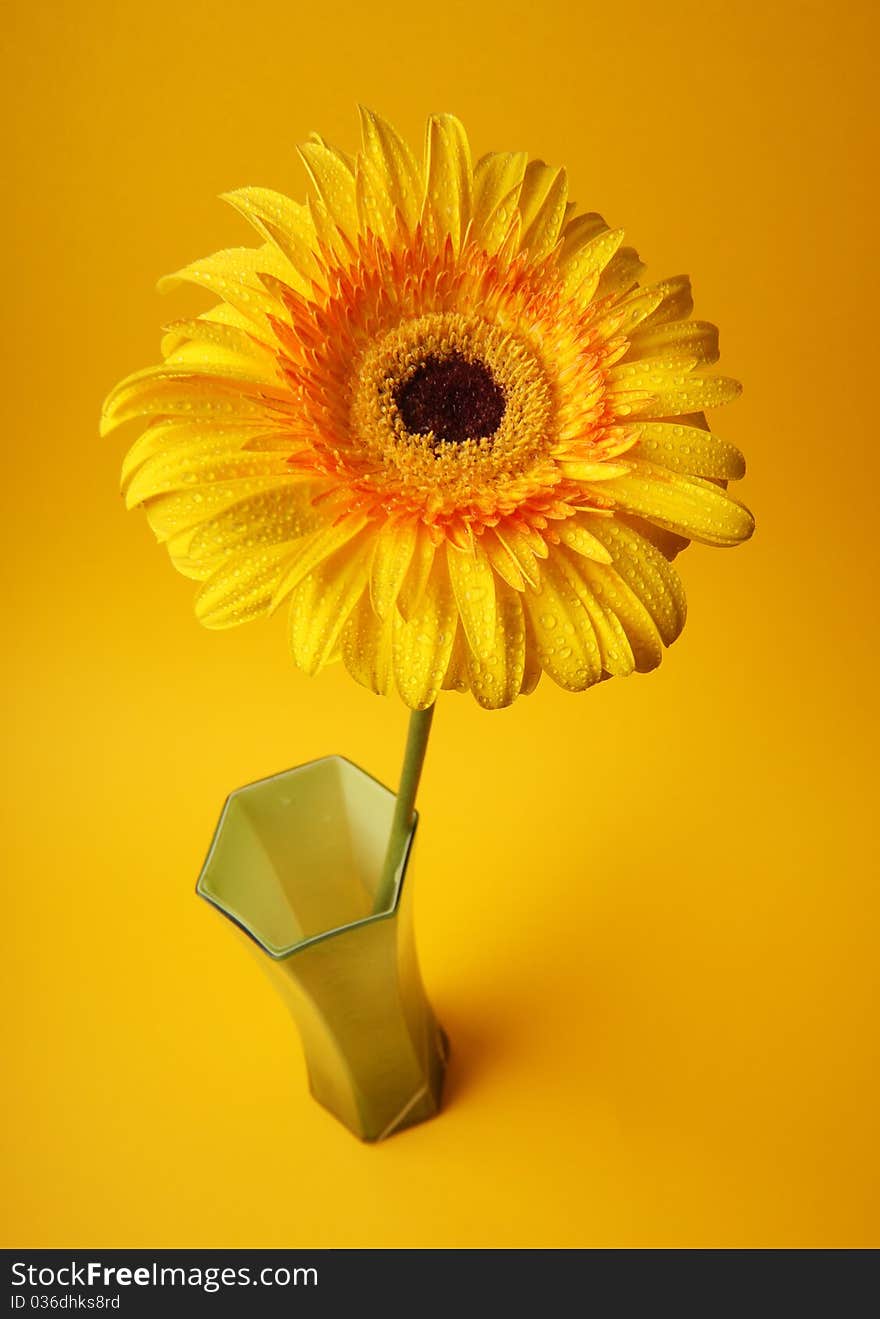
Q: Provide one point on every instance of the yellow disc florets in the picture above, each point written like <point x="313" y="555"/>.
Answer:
<point x="449" y="410"/>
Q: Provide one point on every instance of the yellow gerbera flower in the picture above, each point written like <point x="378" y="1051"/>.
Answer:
<point x="436" y="413"/>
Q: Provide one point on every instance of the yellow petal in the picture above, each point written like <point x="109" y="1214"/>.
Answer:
<point x="532" y="670"/>
<point x="286" y="224"/>
<point x="620" y="274"/>
<point x="578" y="231"/>
<point x="366" y="647"/>
<point x="342" y="156"/>
<point x="647" y="573"/>
<point x="582" y="264"/>
<point x="376" y="214"/>
<point x="574" y="470"/>
<point x="686" y="505"/>
<point x="448" y="177"/>
<point x="333" y="179"/>
<point x="391" y="559"/>
<point x="564" y="636"/>
<point x="214" y="395"/>
<point x="283" y="513"/>
<point x="618" y="601"/>
<point x="614" y="647"/>
<point x="422" y="645"/>
<point x="496" y="677"/>
<point x="473" y="583"/>
<point x="676" y="300"/>
<point x="626" y="314"/>
<point x="162" y="436"/>
<point x="234" y="276"/>
<point x="667" y="542"/>
<point x="396" y="164"/>
<point x="528" y="536"/>
<point x="322" y="602"/>
<point x="494" y="176"/>
<point x="416" y="579"/>
<point x="695" y="394"/>
<point x="665" y="387"/>
<point x="457" y="678"/>
<point x="171" y="514"/>
<point x="618" y="658"/>
<point x="207" y="339"/>
<point x="521" y="551"/>
<point x="542" y="220"/>
<point x="178" y="552"/>
<point x="649" y="376"/>
<point x="242" y="588"/>
<point x="330" y="239"/>
<point x="502" y="561"/>
<point x="689" y="450"/>
<point x="576" y="536"/>
<point x="191" y="466"/>
<point x="695" y="339"/>
<point x="497" y="180"/>
<point x="501" y="229"/>
<point x="539" y="182"/>
<point x="314" y="549"/>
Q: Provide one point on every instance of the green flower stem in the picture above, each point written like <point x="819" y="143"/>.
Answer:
<point x="413" y="760"/>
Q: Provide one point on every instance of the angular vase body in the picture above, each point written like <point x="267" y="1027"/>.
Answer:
<point x="295" y="863"/>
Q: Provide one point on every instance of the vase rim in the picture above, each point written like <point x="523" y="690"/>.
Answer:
<point x="282" y="954"/>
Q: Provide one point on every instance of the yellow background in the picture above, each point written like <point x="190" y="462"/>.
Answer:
<point x="646" y="915"/>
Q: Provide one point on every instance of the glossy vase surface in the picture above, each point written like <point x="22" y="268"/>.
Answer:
<point x="295" y="864"/>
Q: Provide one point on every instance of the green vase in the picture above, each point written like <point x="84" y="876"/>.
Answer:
<point x="295" y="864"/>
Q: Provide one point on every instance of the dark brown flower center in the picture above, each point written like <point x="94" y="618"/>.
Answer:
<point x="452" y="397"/>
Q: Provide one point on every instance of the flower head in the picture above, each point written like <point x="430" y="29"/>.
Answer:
<point x="438" y="417"/>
